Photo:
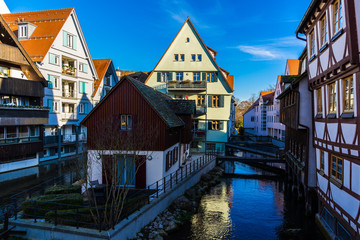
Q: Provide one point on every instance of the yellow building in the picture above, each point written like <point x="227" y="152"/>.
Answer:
<point x="188" y="70"/>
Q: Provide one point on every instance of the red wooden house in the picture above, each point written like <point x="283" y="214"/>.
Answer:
<point x="138" y="134"/>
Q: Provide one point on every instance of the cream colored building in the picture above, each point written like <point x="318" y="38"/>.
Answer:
<point x="188" y="70"/>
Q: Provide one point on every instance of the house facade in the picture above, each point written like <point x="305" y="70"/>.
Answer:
<point x="107" y="78"/>
<point x="296" y="107"/>
<point x="331" y="29"/>
<point x="22" y="115"/>
<point x="188" y="70"/>
<point x="55" y="42"/>
<point x="137" y="123"/>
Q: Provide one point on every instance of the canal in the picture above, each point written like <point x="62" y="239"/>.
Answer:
<point x="249" y="209"/>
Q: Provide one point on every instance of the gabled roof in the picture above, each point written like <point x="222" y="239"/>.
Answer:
<point x="311" y="9"/>
<point x="156" y="99"/>
<point x="137" y="75"/>
<point x="48" y="25"/>
<point x="264" y="93"/>
<point x="206" y="49"/>
<point x="101" y="66"/>
<point x="293" y="65"/>
<point x="8" y="37"/>
<point x="268" y="98"/>
<point x="182" y="106"/>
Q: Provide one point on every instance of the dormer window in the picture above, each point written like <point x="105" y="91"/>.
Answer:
<point x="23" y="31"/>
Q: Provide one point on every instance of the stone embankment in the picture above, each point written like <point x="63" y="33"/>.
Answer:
<point x="182" y="209"/>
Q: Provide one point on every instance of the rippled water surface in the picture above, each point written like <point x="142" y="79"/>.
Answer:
<point x="249" y="209"/>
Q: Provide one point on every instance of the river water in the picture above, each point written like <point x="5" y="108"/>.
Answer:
<point x="249" y="209"/>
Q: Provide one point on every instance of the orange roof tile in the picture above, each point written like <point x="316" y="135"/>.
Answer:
<point x="263" y="93"/>
<point x="230" y="80"/>
<point x="101" y="66"/>
<point x="48" y="25"/>
<point x="293" y="66"/>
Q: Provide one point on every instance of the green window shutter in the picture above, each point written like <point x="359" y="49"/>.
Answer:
<point x="210" y="101"/>
<point x="215" y="76"/>
<point x="170" y="76"/>
<point x="83" y="87"/>
<point x="203" y="76"/>
<point x="65" y="38"/>
<point x="159" y="76"/>
<point x="221" y="125"/>
<point x="85" y="68"/>
<point x="50" y="85"/>
<point x="52" y="58"/>
<point x="75" y="42"/>
<point x="221" y="101"/>
<point x="50" y="105"/>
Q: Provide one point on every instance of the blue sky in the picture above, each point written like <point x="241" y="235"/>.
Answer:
<point x="253" y="38"/>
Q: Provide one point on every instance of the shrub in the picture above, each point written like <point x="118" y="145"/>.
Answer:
<point x="63" y="189"/>
<point x="45" y="203"/>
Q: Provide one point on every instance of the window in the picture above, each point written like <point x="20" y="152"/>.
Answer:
<point x="125" y="170"/>
<point x="2" y="132"/>
<point x="318" y="101"/>
<point x="187" y="40"/>
<point x="71" y="108"/>
<point x="182" y="57"/>
<point x="176" y="57"/>
<point x="23" y="31"/>
<point x="126" y="122"/>
<point x="201" y="100"/>
<point x="336" y="168"/>
<point x="332" y="98"/>
<point x="199" y="57"/>
<point x="107" y="80"/>
<point x="215" y="125"/>
<point x="323" y="27"/>
<point x="82" y="87"/>
<point x="54" y="59"/>
<point x="215" y="101"/>
<point x="337" y="16"/>
<point x="69" y="40"/>
<point x="23" y="131"/>
<point x="52" y="81"/>
<point x="312" y="43"/>
<point x="348" y="94"/>
<point x="34" y="131"/>
<point x="209" y="77"/>
<point x="165" y="76"/>
<point x="252" y="119"/>
<point x="322" y="160"/>
<point x="196" y="76"/>
<point x="82" y="107"/>
<point x="193" y="57"/>
<point x="55" y="106"/>
<point x="179" y="76"/>
<point x="83" y="67"/>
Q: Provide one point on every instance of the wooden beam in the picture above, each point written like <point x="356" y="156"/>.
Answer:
<point x="12" y="55"/>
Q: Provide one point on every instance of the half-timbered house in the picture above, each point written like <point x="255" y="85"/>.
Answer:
<point x="134" y="120"/>
<point x="295" y="109"/>
<point x="331" y="29"/>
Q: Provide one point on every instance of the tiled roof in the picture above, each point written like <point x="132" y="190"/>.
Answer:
<point x="182" y="106"/>
<point x="263" y="93"/>
<point x="48" y="25"/>
<point x="268" y="98"/>
<point x="101" y="66"/>
<point x="293" y="66"/>
<point x="159" y="102"/>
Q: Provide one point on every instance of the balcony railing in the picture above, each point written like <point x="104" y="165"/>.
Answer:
<point x="68" y="94"/>
<point x="19" y="140"/>
<point x="68" y="70"/>
<point x="69" y="116"/>
<point x="199" y="134"/>
<point x="186" y="85"/>
<point x="200" y="110"/>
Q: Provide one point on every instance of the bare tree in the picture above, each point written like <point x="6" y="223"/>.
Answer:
<point x="118" y="152"/>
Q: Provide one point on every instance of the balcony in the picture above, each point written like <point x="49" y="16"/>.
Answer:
<point x="68" y="89"/>
<point x="199" y="134"/>
<point x="23" y="115"/>
<point x="186" y="85"/>
<point x="200" y="110"/>
<point x="69" y="116"/>
<point x="68" y="66"/>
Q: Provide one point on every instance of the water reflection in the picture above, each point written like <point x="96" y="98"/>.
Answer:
<point x="249" y="209"/>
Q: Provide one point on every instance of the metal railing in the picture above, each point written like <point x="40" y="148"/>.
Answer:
<point x="93" y="217"/>
<point x="68" y="94"/>
<point x="19" y="140"/>
<point x="200" y="109"/>
<point x="198" y="133"/>
<point x="187" y="85"/>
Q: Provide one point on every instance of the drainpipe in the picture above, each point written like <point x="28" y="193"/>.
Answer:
<point x="300" y="38"/>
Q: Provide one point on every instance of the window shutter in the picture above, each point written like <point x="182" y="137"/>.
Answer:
<point x="210" y="101"/>
<point x="167" y="162"/>
<point x="65" y="38"/>
<point x="50" y="105"/>
<point x="75" y="41"/>
<point x="215" y="76"/>
<point x="85" y="68"/>
<point x="159" y="76"/>
<point x="203" y="76"/>
<point x="50" y="85"/>
<point x="52" y="58"/>
<point x="221" y="101"/>
<point x="209" y="125"/>
<point x="221" y="125"/>
<point x="83" y="87"/>
<point x="170" y="76"/>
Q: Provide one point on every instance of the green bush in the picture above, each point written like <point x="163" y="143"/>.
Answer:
<point x="45" y="203"/>
<point x="63" y="189"/>
<point x="69" y="217"/>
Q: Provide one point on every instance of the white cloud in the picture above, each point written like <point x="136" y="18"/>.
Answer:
<point x="259" y="52"/>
